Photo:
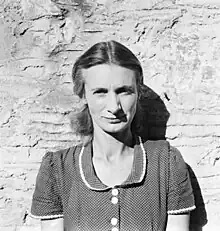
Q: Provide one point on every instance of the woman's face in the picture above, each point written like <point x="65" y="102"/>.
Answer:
<point x="111" y="94"/>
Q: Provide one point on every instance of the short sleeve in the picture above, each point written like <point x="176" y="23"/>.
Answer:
<point x="46" y="201"/>
<point x="180" y="193"/>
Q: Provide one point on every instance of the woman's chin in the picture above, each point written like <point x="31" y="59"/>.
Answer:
<point x="116" y="128"/>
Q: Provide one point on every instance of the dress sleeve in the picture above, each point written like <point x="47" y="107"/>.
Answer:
<point x="180" y="193"/>
<point x="46" y="201"/>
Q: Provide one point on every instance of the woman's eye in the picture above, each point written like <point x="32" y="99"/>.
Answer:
<point x="99" y="92"/>
<point x="125" y="91"/>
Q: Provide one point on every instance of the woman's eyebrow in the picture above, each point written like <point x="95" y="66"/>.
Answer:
<point x="126" y="87"/>
<point x="99" y="89"/>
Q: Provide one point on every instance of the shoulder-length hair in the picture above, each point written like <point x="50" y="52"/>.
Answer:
<point x="110" y="52"/>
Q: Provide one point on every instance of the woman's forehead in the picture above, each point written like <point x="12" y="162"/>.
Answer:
<point x="109" y="74"/>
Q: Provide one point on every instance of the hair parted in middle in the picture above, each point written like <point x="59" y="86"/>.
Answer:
<point x="110" y="52"/>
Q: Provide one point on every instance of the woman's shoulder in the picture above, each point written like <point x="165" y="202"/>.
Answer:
<point x="61" y="155"/>
<point x="156" y="143"/>
<point x="161" y="144"/>
<point x="162" y="148"/>
<point x="156" y="146"/>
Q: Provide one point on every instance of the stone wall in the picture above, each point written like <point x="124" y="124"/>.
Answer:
<point x="178" y="44"/>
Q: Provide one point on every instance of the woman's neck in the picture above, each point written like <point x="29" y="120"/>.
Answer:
<point x="111" y="147"/>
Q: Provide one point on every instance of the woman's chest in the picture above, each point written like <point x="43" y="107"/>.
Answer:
<point x="112" y="174"/>
<point x="115" y="209"/>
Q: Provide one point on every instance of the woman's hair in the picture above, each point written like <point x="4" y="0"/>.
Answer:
<point x="110" y="52"/>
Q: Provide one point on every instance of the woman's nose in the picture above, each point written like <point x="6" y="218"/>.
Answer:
<point x="113" y="103"/>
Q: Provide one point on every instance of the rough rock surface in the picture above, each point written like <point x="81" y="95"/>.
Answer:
<point x="178" y="43"/>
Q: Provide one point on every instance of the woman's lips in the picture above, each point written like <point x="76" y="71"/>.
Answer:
<point x="115" y="119"/>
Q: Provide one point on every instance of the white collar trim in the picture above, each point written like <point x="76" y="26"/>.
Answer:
<point x="109" y="187"/>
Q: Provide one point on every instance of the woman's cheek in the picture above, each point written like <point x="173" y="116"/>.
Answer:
<point x="130" y="104"/>
<point x="96" y="105"/>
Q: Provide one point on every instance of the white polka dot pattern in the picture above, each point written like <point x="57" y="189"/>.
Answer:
<point x="158" y="184"/>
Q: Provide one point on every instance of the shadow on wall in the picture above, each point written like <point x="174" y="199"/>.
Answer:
<point x="154" y="120"/>
<point x="154" y="115"/>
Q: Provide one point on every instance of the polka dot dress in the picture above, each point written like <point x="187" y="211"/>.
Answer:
<point x="158" y="185"/>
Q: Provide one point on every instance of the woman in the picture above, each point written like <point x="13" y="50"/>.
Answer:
<point x="113" y="180"/>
